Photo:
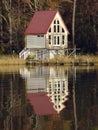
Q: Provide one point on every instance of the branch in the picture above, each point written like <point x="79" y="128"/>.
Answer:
<point x="4" y="18"/>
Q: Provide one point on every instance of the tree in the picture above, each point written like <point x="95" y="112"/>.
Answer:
<point x="16" y="14"/>
<point x="73" y="23"/>
<point x="86" y="26"/>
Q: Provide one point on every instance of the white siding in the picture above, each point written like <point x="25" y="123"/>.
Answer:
<point x="35" y="41"/>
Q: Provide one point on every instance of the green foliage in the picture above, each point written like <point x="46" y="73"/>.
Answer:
<point x="30" y="57"/>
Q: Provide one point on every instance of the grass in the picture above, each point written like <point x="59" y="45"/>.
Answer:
<point x="11" y="60"/>
<point x="58" y="60"/>
<point x="78" y="60"/>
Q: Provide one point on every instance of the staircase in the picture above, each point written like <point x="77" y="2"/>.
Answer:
<point x="24" y="53"/>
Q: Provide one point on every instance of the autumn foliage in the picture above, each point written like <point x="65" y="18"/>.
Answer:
<point x="16" y="14"/>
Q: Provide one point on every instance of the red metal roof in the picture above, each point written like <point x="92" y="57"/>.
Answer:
<point x="40" y="22"/>
<point x="41" y="103"/>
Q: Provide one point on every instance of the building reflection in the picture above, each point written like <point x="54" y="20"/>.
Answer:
<point x="30" y="95"/>
<point x="57" y="88"/>
<point x="47" y="89"/>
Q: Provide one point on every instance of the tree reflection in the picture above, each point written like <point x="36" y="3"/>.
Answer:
<point x="84" y="92"/>
<point x="15" y="110"/>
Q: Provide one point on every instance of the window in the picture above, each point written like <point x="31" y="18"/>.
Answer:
<point x="56" y="40"/>
<point x="63" y="30"/>
<point x="50" y="30"/>
<point x="57" y="21"/>
<point x="63" y="39"/>
<point x="49" y="38"/>
<point x="56" y="26"/>
<point x="40" y="35"/>
<point x="54" y="21"/>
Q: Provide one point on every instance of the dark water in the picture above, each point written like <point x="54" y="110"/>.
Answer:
<point x="49" y="98"/>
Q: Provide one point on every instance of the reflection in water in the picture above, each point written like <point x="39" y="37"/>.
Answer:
<point x="14" y="111"/>
<point x="37" y="98"/>
<point x="47" y="89"/>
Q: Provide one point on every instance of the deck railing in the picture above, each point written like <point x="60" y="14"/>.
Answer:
<point x="24" y="53"/>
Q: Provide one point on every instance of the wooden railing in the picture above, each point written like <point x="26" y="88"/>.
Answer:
<point x="24" y="53"/>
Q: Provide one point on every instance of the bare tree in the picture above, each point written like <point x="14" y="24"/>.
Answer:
<point x="8" y="7"/>
<point x="73" y="22"/>
<point x="1" y="28"/>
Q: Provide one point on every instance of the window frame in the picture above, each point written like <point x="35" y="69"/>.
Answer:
<point x="56" y="40"/>
<point x="56" y="26"/>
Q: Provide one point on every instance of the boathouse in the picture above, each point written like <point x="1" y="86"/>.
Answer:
<point x="46" y="35"/>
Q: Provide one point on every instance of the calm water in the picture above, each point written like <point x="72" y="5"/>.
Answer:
<point x="49" y="98"/>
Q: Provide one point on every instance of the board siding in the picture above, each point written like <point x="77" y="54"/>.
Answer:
<point x="35" y="41"/>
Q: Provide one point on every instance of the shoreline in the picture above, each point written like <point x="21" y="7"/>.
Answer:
<point x="79" y="60"/>
<point x="75" y="63"/>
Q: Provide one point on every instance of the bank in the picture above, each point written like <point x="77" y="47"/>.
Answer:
<point x="79" y="60"/>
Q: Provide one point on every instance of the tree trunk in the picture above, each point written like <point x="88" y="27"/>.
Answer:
<point x="73" y="23"/>
<point x="10" y="25"/>
<point x="1" y="24"/>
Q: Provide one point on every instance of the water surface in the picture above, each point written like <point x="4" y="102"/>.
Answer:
<point x="48" y="98"/>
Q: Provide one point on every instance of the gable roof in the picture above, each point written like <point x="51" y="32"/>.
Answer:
<point x="40" y="22"/>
